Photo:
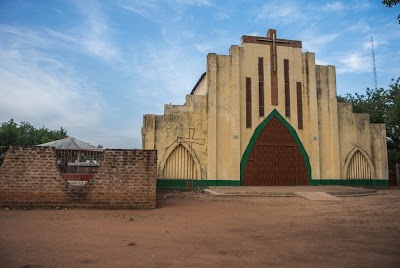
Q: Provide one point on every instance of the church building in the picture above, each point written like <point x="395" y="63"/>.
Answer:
<point x="265" y="114"/>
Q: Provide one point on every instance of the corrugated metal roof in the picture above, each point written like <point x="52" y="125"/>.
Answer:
<point x="69" y="143"/>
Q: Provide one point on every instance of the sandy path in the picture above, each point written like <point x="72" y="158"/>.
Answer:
<point x="198" y="230"/>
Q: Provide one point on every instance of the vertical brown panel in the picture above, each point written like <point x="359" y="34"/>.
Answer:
<point x="299" y="105"/>
<point x="274" y="71"/>
<point x="261" y="86"/>
<point x="287" y="87"/>
<point x="286" y="70"/>
<point x="248" y="102"/>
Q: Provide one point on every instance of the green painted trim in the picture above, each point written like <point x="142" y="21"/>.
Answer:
<point x="257" y="133"/>
<point x="171" y="184"/>
<point x="222" y="183"/>
<point x="360" y="182"/>
<point x="175" y="184"/>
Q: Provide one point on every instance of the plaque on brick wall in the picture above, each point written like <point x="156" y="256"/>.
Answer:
<point x="77" y="183"/>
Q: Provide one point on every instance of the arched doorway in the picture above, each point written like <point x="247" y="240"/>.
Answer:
<point x="275" y="156"/>
<point x="180" y="165"/>
<point x="358" y="165"/>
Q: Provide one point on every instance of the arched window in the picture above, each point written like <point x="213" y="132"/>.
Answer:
<point x="180" y="165"/>
<point x="359" y="166"/>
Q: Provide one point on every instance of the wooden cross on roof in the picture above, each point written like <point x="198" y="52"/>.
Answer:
<point x="273" y="42"/>
<point x="271" y="37"/>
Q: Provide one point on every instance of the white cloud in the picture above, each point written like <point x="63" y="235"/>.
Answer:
<point x="23" y="34"/>
<point x="194" y="2"/>
<point x="40" y="88"/>
<point x="377" y="43"/>
<point x="175" y="68"/>
<point x="359" y="26"/>
<point x="355" y="62"/>
<point x="162" y="11"/>
<point x="335" y="6"/>
<point x="278" y="12"/>
<point x="134" y="9"/>
<point x="223" y="15"/>
<point x="61" y="36"/>
<point x="44" y="91"/>
<point x="128" y="137"/>
<point x="36" y="86"/>
<point x="313" y="42"/>
<point x="143" y="8"/>
<point x="94" y="34"/>
<point x="362" y="5"/>
<point x="318" y="61"/>
<point x="91" y="41"/>
<point x="253" y="34"/>
<point x="204" y="47"/>
<point x="91" y="37"/>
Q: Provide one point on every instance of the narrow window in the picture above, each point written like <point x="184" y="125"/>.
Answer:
<point x="261" y="86"/>
<point x="274" y="71"/>
<point x="248" y="102"/>
<point x="299" y="105"/>
<point x="287" y="88"/>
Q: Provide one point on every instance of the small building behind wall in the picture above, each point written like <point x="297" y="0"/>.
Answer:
<point x="265" y="114"/>
<point x="30" y="177"/>
<point x="78" y="161"/>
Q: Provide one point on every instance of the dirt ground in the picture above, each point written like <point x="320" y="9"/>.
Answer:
<point x="192" y="229"/>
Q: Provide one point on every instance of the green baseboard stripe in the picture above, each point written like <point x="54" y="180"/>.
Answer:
<point x="171" y="184"/>
<point x="360" y="182"/>
<point x="174" y="184"/>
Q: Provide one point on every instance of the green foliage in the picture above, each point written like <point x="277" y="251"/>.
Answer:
<point x="393" y="121"/>
<point x="374" y="102"/>
<point x="383" y="105"/>
<point x="391" y="3"/>
<point x="25" y="134"/>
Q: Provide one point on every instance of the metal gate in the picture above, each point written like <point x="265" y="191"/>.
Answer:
<point x="79" y="164"/>
<point x="394" y="175"/>
<point x="275" y="159"/>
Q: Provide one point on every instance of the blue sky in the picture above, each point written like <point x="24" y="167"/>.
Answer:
<point x="95" y="67"/>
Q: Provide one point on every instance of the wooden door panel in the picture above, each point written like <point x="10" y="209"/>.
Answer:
<point x="275" y="159"/>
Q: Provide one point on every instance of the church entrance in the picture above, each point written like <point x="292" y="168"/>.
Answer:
<point x="275" y="158"/>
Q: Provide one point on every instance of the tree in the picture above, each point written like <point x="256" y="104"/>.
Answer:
<point x="390" y="3"/>
<point x="25" y="134"/>
<point x="383" y="105"/>
<point x="8" y="133"/>
<point x="393" y="121"/>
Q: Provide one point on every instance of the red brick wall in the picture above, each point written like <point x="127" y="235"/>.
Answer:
<point x="30" y="176"/>
<point x="126" y="179"/>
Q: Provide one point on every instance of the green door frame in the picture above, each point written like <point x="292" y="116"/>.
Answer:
<point x="257" y="133"/>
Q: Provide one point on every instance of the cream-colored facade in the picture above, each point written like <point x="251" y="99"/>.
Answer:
<point x="211" y="138"/>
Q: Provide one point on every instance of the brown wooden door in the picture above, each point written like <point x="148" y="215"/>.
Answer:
<point x="275" y="159"/>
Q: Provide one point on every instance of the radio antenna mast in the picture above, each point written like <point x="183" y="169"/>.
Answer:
<point x="373" y="62"/>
